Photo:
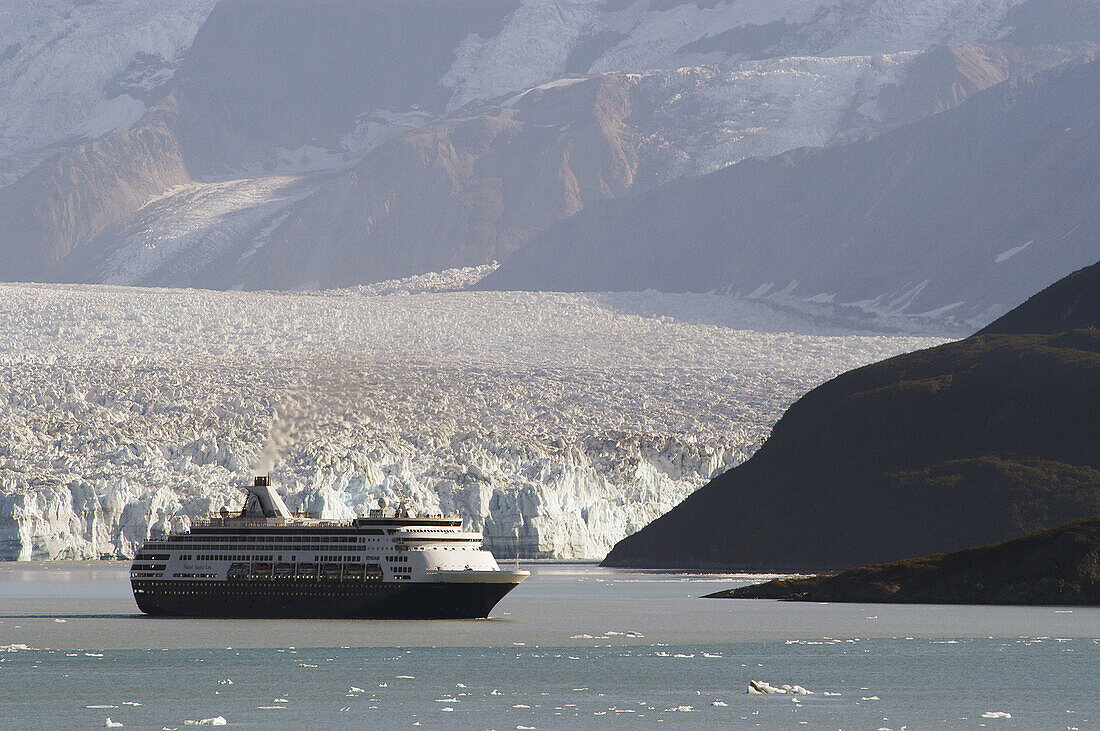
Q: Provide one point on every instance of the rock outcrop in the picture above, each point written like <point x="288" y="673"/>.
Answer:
<point x="462" y="192"/>
<point x="70" y="198"/>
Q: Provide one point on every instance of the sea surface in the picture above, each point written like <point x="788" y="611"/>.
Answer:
<point x="575" y="646"/>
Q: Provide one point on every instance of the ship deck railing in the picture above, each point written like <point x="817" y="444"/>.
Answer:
<point x="231" y="521"/>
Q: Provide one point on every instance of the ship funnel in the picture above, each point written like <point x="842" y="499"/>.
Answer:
<point x="263" y="501"/>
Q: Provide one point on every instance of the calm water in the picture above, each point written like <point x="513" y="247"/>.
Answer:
<point x="574" y="646"/>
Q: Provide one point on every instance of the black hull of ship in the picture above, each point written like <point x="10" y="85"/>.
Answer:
<point x="334" y="599"/>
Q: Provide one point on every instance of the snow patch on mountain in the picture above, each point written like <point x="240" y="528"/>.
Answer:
<point x="536" y="41"/>
<point x="718" y="115"/>
<point x="175" y="237"/>
<point x="60" y="57"/>
<point x="556" y="423"/>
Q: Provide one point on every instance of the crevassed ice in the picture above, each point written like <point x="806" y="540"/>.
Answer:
<point x="556" y="423"/>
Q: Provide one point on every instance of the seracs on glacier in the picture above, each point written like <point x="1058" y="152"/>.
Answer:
<point x="555" y="423"/>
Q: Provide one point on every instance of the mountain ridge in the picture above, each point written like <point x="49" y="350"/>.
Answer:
<point x="966" y="443"/>
<point x="953" y="211"/>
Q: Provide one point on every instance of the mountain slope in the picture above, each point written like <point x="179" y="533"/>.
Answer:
<point x="968" y="210"/>
<point x="967" y="443"/>
<point x="288" y="87"/>
<point x="70" y="198"/>
<point x="460" y="193"/>
<point x="266" y="75"/>
<point x="1069" y="304"/>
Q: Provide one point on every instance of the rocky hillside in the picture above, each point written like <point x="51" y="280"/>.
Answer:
<point x="462" y="192"/>
<point x="280" y="113"/>
<point x="1058" y="565"/>
<point x="69" y="199"/>
<point x="967" y="443"/>
<point x="962" y="213"/>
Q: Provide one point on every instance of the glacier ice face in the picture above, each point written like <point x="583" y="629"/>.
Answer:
<point x="556" y="423"/>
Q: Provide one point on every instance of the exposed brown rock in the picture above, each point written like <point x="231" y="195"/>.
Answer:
<point x="474" y="187"/>
<point x="68" y="199"/>
<point x="970" y="210"/>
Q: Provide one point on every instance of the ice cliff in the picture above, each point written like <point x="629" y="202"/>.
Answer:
<point x="556" y="423"/>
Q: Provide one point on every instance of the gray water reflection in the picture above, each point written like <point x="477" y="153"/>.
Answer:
<point x="89" y="605"/>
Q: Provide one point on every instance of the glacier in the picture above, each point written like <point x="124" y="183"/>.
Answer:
<point x="555" y="423"/>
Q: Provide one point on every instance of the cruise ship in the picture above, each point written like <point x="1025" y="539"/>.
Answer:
<point x="267" y="562"/>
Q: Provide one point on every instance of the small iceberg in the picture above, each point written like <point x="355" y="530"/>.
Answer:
<point x="996" y="714"/>
<point x="112" y="724"/>
<point x="763" y="687"/>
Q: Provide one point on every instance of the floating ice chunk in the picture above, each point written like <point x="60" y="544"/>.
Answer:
<point x="763" y="687"/>
<point x="306" y="665"/>
<point x="280" y="700"/>
<point x="446" y="708"/>
<point x="827" y="693"/>
<point x="870" y="698"/>
<point x="215" y="721"/>
<point x="680" y="709"/>
<point x="447" y="700"/>
<point x="62" y="621"/>
<point x="354" y="689"/>
<point x="996" y="714"/>
<point x="101" y="706"/>
<point x="227" y="681"/>
<point x="520" y="705"/>
<point x="460" y="685"/>
<point x="383" y="685"/>
<point x="112" y="724"/>
<point x="525" y="728"/>
<point x="719" y="704"/>
<point x="406" y="677"/>
<point x="93" y="654"/>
